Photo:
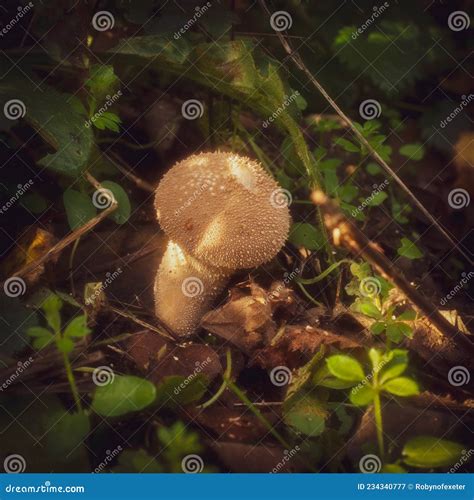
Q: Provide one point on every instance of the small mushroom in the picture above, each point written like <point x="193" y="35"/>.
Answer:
<point x="222" y="212"/>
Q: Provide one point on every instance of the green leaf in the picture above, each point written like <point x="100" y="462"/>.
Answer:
<point x="125" y="394"/>
<point x="101" y="81"/>
<point x="177" y="442"/>
<point x="409" y="249"/>
<point x="176" y="390"/>
<point x="347" y="145"/>
<point x="408" y="315"/>
<point x="58" y="118"/>
<point x="345" y="368"/>
<point x="401" y="386"/>
<point x="373" y="168"/>
<point x="77" y="327"/>
<point x="51" y="307"/>
<point x="362" y="395"/>
<point x="41" y="336"/>
<point x="375" y="358"/>
<point x="306" y="415"/>
<point x="393" y="469"/>
<point x="413" y="151"/>
<point x="122" y="213"/>
<point x="65" y="345"/>
<point x="39" y="331"/>
<point x="378" y="327"/>
<point x="79" y="208"/>
<point x="395" y="363"/>
<point x="107" y="120"/>
<point x="367" y="307"/>
<point x="40" y="342"/>
<point x="428" y="452"/>
<point x="377" y="199"/>
<point x="397" y="330"/>
<point x="303" y="234"/>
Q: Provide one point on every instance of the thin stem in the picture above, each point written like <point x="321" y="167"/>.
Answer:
<point x="72" y="382"/>
<point x="223" y="386"/>
<point x="378" y="424"/>
<point x="241" y="395"/>
<point x="323" y="275"/>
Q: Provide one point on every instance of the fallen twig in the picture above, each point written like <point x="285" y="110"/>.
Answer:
<point x="70" y="238"/>
<point x="346" y="233"/>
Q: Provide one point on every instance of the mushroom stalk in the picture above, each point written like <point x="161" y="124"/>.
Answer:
<point x="185" y="289"/>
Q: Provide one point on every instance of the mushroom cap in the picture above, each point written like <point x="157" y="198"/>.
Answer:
<point x="223" y="209"/>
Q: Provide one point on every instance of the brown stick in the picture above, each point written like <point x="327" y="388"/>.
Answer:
<point x="348" y="234"/>
<point x="71" y="237"/>
<point x="117" y="161"/>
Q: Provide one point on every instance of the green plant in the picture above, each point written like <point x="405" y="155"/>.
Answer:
<point x="63" y="338"/>
<point x="373" y="300"/>
<point x="341" y="372"/>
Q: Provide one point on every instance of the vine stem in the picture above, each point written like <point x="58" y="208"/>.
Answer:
<point x="72" y="382"/>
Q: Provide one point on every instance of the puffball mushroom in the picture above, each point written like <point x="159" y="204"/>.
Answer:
<point x="222" y="212"/>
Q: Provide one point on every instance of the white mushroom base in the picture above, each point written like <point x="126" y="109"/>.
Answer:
<point x="185" y="289"/>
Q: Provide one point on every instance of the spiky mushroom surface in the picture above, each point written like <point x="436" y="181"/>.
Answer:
<point x="222" y="212"/>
